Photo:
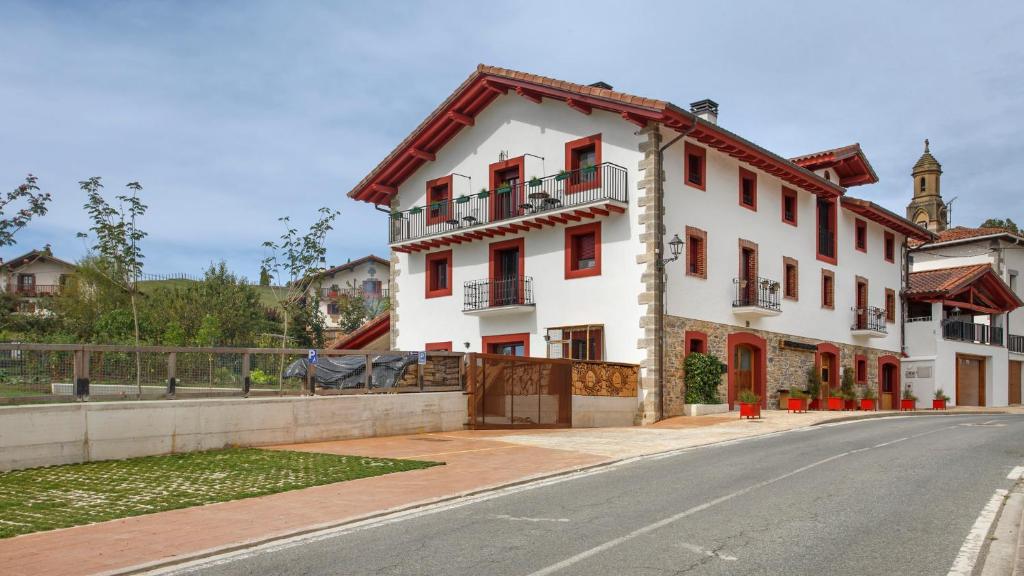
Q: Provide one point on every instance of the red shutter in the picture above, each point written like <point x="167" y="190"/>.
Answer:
<point x="585" y="249"/>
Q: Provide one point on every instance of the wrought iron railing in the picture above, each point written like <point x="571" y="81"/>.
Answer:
<point x="484" y="294"/>
<point x="37" y="290"/>
<point x="605" y="181"/>
<point x="870" y="318"/>
<point x="331" y="294"/>
<point x="971" y="332"/>
<point x="1015" y="343"/>
<point x="759" y="292"/>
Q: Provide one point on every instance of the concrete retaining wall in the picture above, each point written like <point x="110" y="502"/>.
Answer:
<point x="603" y="411"/>
<point x="44" y="435"/>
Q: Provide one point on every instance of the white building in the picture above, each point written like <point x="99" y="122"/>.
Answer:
<point x="364" y="278"/>
<point x="528" y="216"/>
<point x="964" y="334"/>
<point x="34" y="276"/>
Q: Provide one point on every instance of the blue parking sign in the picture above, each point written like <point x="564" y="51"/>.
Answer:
<point x="312" y="356"/>
<point x="422" y="357"/>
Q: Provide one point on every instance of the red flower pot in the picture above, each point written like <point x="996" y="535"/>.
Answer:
<point x="850" y="405"/>
<point x="867" y="403"/>
<point x="750" y="410"/>
<point x="835" y="404"/>
<point x="938" y="404"/>
<point x="797" y="405"/>
<point x="908" y="405"/>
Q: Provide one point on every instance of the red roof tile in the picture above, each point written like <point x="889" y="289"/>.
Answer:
<point x="944" y="280"/>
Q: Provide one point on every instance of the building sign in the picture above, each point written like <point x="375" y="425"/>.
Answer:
<point x="798" y="346"/>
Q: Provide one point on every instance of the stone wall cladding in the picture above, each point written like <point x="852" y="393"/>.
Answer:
<point x="394" y="271"/>
<point x="649" y="189"/>
<point x="786" y="368"/>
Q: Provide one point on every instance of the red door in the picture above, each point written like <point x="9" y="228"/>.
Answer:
<point x="862" y="305"/>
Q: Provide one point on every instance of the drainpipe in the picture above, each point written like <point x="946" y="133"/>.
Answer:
<point x="905" y="254"/>
<point x="659" y="225"/>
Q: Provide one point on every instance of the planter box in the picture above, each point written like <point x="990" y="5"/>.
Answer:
<point x="850" y="404"/>
<point x="797" y="404"/>
<point x="815" y="404"/>
<point x="908" y="405"/>
<point x="867" y="403"/>
<point x="835" y="404"/>
<point x="703" y="409"/>
<point x="750" y="410"/>
<point x="938" y="404"/>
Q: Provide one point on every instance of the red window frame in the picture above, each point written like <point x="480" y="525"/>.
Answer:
<point x="696" y="151"/>
<point x="430" y="259"/>
<point x="521" y="338"/>
<point x="833" y="215"/>
<point x="889" y="247"/>
<point x="492" y="262"/>
<point x="438" y="346"/>
<point x="890" y="305"/>
<point x="518" y="163"/>
<point x="443" y="214"/>
<point x="860" y="368"/>
<point x="828" y="289"/>
<point x="790" y="194"/>
<point x="695" y="237"/>
<point x="695" y="337"/>
<point x="752" y="177"/>
<point x="573" y="185"/>
<point x="788" y="282"/>
<point x="571" y="255"/>
<point x="860" y="235"/>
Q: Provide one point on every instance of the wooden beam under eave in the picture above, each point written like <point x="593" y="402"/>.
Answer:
<point x="498" y="89"/>
<point x="579" y="106"/>
<point x="532" y="224"/>
<point x="558" y="219"/>
<point x="615" y="208"/>
<point x="599" y="211"/>
<point x="545" y="222"/>
<point x="585" y="213"/>
<point x="382" y="189"/>
<point x="639" y="121"/>
<point x="572" y="217"/>
<point x="422" y="154"/>
<point x="529" y="95"/>
<point x="464" y="119"/>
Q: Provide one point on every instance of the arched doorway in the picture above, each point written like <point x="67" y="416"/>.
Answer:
<point x="888" y="383"/>
<point x="827" y="363"/>
<point x="748" y="366"/>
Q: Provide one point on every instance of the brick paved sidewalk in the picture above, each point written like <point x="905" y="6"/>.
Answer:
<point x="475" y="461"/>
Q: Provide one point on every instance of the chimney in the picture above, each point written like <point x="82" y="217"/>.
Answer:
<point x="705" y="109"/>
<point x="600" y="84"/>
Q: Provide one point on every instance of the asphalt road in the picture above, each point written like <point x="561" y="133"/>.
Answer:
<point x="887" y="496"/>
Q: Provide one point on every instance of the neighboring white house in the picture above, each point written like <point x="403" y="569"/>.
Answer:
<point x="530" y="216"/>
<point x="964" y="334"/>
<point x="365" y="277"/>
<point x="34" y="276"/>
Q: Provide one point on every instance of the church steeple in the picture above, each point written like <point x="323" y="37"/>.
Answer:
<point x="927" y="208"/>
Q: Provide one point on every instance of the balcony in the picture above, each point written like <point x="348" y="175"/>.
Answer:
<point x="498" y="297"/>
<point x="971" y="332"/>
<point x="37" y="290"/>
<point x="588" y="192"/>
<point x="869" y="323"/>
<point x="368" y="295"/>
<point x="756" y="298"/>
<point x="1015" y="343"/>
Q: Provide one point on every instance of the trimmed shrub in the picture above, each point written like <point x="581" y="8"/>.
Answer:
<point x="703" y="375"/>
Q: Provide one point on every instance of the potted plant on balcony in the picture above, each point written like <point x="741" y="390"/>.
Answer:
<point x="847" y="391"/>
<point x="797" y="401"/>
<point x="588" y="170"/>
<point x="504" y="189"/>
<point x="750" y="404"/>
<point x="484" y="193"/>
<point x="939" y="402"/>
<point x="814" y="387"/>
<point x="396" y="215"/>
<point x="416" y="210"/>
<point x="867" y="399"/>
<point x="462" y="199"/>
<point x="562" y="175"/>
<point x="908" y="402"/>
<point x="535" y="182"/>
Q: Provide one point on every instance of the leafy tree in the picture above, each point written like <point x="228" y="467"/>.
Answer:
<point x="352" y="312"/>
<point x="703" y="375"/>
<point x="116" y="239"/>
<point x="1007" y="224"/>
<point x="33" y="204"/>
<point x="264" y="276"/>
<point x="846" y="384"/>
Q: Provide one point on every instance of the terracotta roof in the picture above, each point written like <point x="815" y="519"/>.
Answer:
<point x="944" y="280"/>
<point x="360" y="337"/>
<point x="486" y="83"/>
<point x="886" y="218"/>
<point x="357" y="262"/>
<point x="28" y="258"/>
<point x="961" y="233"/>
<point x="849" y="162"/>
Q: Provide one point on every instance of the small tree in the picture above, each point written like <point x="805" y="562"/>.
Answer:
<point x="116" y="239"/>
<point x="813" y="383"/>
<point x="33" y="204"/>
<point x="264" y="276"/>
<point x="352" y="312"/>
<point x="1007" y="224"/>
<point x="846" y="386"/>
<point x="703" y="375"/>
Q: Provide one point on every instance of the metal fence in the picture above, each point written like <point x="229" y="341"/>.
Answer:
<point x="31" y="373"/>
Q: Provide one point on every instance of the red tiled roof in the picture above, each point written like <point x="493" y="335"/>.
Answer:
<point x="945" y="280"/>
<point x="890" y="220"/>
<point x="360" y="337"/>
<point x="352" y="264"/>
<point x="849" y="162"/>
<point x="962" y="233"/>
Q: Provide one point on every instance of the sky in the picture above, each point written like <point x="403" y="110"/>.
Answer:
<point x="233" y="114"/>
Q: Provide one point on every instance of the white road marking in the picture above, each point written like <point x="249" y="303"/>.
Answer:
<point x="708" y="553"/>
<point x="968" y="556"/>
<point x="525" y="519"/>
<point x="1016" y="473"/>
<point x="892" y="442"/>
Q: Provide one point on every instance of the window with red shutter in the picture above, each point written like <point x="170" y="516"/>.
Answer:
<point x="583" y="250"/>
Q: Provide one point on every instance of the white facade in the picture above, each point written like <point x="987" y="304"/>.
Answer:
<point x="32" y="276"/>
<point x="366" y="277"/>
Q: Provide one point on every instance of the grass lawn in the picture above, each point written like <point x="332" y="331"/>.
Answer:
<point x="61" y="496"/>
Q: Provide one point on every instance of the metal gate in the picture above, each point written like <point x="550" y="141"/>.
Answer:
<point x="519" y="392"/>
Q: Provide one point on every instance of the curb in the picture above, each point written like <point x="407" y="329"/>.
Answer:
<point x="874" y="415"/>
<point x="1002" y="548"/>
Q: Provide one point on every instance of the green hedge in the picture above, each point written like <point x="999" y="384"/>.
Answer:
<point x="703" y="375"/>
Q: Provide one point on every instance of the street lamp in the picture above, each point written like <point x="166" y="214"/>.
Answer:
<point x="675" y="246"/>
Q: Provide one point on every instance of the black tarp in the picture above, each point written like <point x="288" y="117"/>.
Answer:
<point x="347" y="372"/>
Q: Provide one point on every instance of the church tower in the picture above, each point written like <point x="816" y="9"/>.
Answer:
<point x="927" y="208"/>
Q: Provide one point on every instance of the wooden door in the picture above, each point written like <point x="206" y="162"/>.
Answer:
<point x="862" y="305"/>
<point x="828" y="374"/>
<point x="506" y="283"/>
<point x="507" y="203"/>
<point x="748" y="277"/>
<point x="888" y="393"/>
<point x="1014" y="387"/>
<point x="970" y="380"/>
<point x="745" y="375"/>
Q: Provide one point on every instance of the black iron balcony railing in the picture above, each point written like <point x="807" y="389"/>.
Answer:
<point x="971" y="332"/>
<point x="605" y="181"/>
<point x="759" y="292"/>
<point x="484" y="294"/>
<point x="37" y="290"/>
<point x="331" y="294"/>
<point x="870" y="318"/>
<point x="1015" y="343"/>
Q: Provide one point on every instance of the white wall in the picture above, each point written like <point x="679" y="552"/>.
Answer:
<point x="718" y="212"/>
<point x="518" y="126"/>
<point x="351" y="279"/>
<point x="45" y="435"/>
<point x="47" y="273"/>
